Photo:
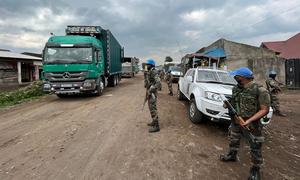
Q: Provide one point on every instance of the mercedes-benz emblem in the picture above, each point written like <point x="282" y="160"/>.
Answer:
<point x="66" y="75"/>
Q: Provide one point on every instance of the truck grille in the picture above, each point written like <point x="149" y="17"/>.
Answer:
<point x="65" y="76"/>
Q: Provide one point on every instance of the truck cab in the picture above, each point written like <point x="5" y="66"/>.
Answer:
<point x="83" y="61"/>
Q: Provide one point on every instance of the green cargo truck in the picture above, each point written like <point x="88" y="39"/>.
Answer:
<point x="86" y="60"/>
<point x="136" y="67"/>
<point x="130" y="66"/>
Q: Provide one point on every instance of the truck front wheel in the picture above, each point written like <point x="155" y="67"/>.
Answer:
<point x="195" y="115"/>
<point x="99" y="89"/>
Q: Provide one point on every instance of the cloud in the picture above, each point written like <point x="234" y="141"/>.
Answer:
<point x="150" y="28"/>
<point x="33" y="32"/>
<point x="197" y="16"/>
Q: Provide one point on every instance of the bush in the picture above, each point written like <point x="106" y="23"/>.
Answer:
<point x="15" y="97"/>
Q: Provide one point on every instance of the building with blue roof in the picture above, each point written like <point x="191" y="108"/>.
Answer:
<point x="229" y="55"/>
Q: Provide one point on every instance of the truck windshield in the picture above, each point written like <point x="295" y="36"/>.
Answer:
<point x="68" y="55"/>
<point x="215" y="77"/>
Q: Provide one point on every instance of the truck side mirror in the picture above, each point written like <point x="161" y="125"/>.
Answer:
<point x="97" y="56"/>
<point x="189" y="78"/>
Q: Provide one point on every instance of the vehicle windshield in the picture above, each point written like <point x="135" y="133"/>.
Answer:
<point x="68" y="55"/>
<point x="215" y="77"/>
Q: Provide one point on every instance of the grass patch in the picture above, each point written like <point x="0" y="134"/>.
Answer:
<point x="27" y="93"/>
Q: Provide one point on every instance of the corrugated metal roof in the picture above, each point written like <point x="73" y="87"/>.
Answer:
<point x="7" y="54"/>
<point x="215" y="52"/>
<point x="275" y="46"/>
<point x="289" y="49"/>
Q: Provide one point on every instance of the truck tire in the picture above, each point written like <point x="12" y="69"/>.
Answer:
<point x="194" y="114"/>
<point x="116" y="80"/>
<point x="99" y="88"/>
<point x="180" y="95"/>
<point x="111" y="81"/>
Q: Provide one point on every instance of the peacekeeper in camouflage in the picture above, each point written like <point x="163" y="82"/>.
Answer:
<point x="152" y="84"/>
<point x="169" y="79"/>
<point x="252" y="102"/>
<point x="273" y="86"/>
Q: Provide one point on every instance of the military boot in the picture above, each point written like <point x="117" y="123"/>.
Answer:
<point x="254" y="173"/>
<point x="154" y="128"/>
<point x="231" y="156"/>
<point x="171" y="93"/>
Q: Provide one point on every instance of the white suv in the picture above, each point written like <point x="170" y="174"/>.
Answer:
<point x="204" y="88"/>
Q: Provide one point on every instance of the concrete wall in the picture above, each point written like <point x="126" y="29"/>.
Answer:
<point x="262" y="67"/>
<point x="260" y="60"/>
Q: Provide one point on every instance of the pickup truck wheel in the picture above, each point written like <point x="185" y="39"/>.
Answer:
<point x="195" y="115"/>
<point x="180" y="95"/>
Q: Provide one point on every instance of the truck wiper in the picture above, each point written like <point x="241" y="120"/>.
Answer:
<point x="82" y="61"/>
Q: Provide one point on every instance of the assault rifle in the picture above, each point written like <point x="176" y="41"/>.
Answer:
<point x="233" y="111"/>
<point x="246" y="129"/>
<point x="147" y="96"/>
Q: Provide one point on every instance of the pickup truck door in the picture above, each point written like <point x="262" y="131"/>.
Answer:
<point x="184" y="88"/>
<point x="189" y="83"/>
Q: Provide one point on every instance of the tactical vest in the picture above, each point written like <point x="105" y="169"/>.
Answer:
<point x="246" y="100"/>
<point x="150" y="78"/>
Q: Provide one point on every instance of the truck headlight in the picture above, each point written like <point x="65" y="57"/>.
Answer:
<point x="89" y="83"/>
<point x="213" y="96"/>
<point x="47" y="86"/>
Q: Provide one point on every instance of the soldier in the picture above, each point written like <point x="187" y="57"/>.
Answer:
<point x="274" y="89"/>
<point x="152" y="84"/>
<point x="162" y="75"/>
<point x="169" y="79"/>
<point x="252" y="102"/>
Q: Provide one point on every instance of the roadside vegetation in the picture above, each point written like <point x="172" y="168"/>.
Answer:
<point x="33" y="91"/>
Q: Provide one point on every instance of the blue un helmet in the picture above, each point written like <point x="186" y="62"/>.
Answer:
<point x="150" y="62"/>
<point x="243" y="71"/>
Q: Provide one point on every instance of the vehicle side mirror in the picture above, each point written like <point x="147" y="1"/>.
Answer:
<point x="189" y="78"/>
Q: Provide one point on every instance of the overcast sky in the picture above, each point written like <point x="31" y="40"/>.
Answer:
<point x="150" y="28"/>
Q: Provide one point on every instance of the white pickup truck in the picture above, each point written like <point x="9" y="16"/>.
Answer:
<point x="204" y="88"/>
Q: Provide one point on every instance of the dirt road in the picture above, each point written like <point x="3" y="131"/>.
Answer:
<point x="107" y="138"/>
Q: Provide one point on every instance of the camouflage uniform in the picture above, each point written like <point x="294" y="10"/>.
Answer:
<point x="274" y="89"/>
<point x="247" y="100"/>
<point x="169" y="79"/>
<point x="152" y="84"/>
